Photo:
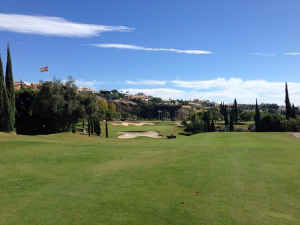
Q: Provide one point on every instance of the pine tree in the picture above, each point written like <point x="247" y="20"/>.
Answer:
<point x="288" y="108"/>
<point x="9" y="82"/>
<point x="231" y="128"/>
<point x="235" y="111"/>
<point x="212" y="128"/>
<point x="1" y="96"/>
<point x="257" y="117"/>
<point x="293" y="115"/>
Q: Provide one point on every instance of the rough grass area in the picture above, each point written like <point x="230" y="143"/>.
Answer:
<point x="210" y="178"/>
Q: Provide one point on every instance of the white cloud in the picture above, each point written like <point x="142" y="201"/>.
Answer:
<point x="134" y="47"/>
<point x="91" y="84"/>
<point x="146" y="82"/>
<point x="262" y="54"/>
<point x="164" y="93"/>
<point x="53" y="26"/>
<point x="293" y="53"/>
<point x="220" y="89"/>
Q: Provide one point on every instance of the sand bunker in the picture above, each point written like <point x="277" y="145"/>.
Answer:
<point x="126" y="124"/>
<point x="296" y="134"/>
<point x="133" y="134"/>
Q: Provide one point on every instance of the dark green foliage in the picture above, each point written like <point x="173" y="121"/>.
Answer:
<point x="235" y="112"/>
<point x="290" y="125"/>
<point x="212" y="126"/>
<point x="26" y="120"/>
<point x="225" y="115"/>
<point x="106" y="129"/>
<point x="208" y="126"/>
<point x="9" y="82"/>
<point x="97" y="127"/>
<point x="231" y="128"/>
<point x="270" y="123"/>
<point x="288" y="112"/>
<point x="89" y="127"/>
<point x="73" y="128"/>
<point x="92" y="126"/>
<point x="257" y="117"/>
<point x="293" y="114"/>
<point x="2" y="86"/>
<point x="195" y="127"/>
<point x="246" y="116"/>
<point x="53" y="109"/>
<point x="6" y="126"/>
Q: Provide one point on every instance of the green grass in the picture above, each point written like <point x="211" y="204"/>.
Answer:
<point x="210" y="178"/>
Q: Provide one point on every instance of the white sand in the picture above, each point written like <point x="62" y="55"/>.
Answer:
<point x="296" y="134"/>
<point x="126" y="124"/>
<point x="133" y="134"/>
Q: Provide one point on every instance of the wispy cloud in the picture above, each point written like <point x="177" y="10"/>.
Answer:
<point x="134" y="47"/>
<point x="53" y="26"/>
<point x="263" y="54"/>
<point x="146" y="82"/>
<point x="293" y="53"/>
<point x="91" y="84"/>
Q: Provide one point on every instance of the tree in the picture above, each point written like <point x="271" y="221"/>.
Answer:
<point x="293" y="114"/>
<point x="27" y="122"/>
<point x="6" y="126"/>
<point x="2" y="86"/>
<point x="106" y="129"/>
<point x="235" y="111"/>
<point x="231" y="128"/>
<point x="9" y="82"/>
<point x="225" y="115"/>
<point x="257" y="117"/>
<point x="112" y="107"/>
<point x="288" y="111"/>
<point x="246" y="116"/>
<point x="212" y="128"/>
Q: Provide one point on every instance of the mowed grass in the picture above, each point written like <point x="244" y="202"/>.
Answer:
<point x="210" y="178"/>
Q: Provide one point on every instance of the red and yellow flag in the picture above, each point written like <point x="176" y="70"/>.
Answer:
<point x="44" y="69"/>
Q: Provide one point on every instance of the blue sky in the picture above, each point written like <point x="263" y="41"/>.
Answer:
<point x="216" y="50"/>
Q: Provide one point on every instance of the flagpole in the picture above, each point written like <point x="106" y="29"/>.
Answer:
<point x="48" y="73"/>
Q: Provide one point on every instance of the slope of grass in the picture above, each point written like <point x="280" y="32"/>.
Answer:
<point x="210" y="178"/>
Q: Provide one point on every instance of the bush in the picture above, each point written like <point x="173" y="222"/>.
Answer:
<point x="290" y="125"/>
<point x="251" y="127"/>
<point x="239" y="130"/>
<point x="270" y="123"/>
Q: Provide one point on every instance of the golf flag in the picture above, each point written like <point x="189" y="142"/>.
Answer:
<point x="44" y="69"/>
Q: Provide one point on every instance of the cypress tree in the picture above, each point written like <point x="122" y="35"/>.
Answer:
<point x="288" y="108"/>
<point x="225" y="115"/>
<point x="92" y="126"/>
<point x="231" y="122"/>
<point x="1" y="96"/>
<point x="89" y="127"/>
<point x="6" y="112"/>
<point x="212" y="128"/>
<point x="9" y="82"/>
<point x="257" y="117"/>
<point x="293" y="115"/>
<point x="235" y="111"/>
<point x="106" y="128"/>
<point x="208" y="126"/>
